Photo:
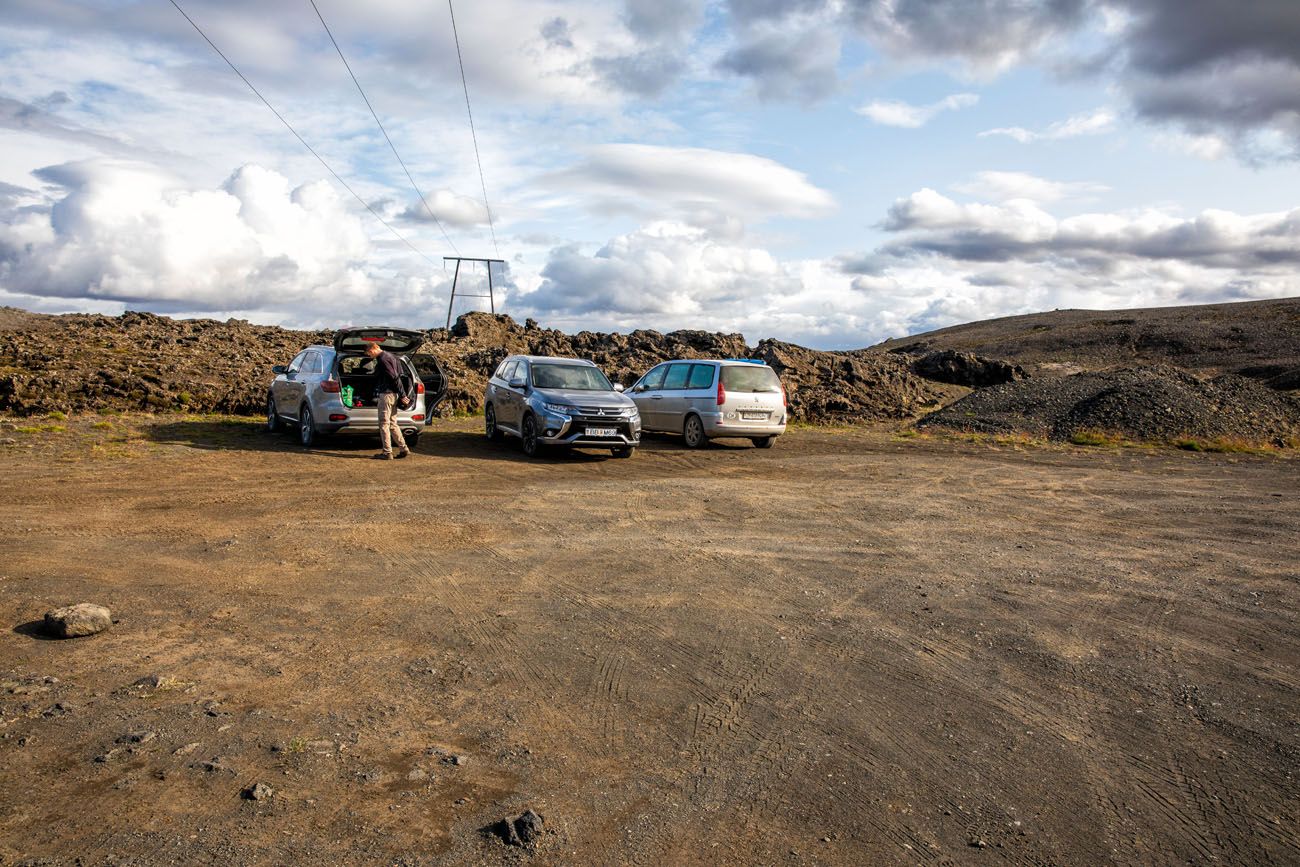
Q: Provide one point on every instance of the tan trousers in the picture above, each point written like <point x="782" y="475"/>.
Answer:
<point x="389" y="432"/>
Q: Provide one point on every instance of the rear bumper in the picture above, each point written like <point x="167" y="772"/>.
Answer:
<point x="365" y="419"/>
<point x="716" y="424"/>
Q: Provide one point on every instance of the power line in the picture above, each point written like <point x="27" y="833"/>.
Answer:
<point x="472" y="134"/>
<point x="289" y="126"/>
<point x="381" y="126"/>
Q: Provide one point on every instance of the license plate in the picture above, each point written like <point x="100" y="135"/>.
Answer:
<point x="753" y="416"/>
<point x="601" y="432"/>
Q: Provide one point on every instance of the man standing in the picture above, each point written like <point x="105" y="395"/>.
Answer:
<point x="387" y="388"/>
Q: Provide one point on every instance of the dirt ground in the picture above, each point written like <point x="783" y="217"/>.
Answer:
<point x="853" y="648"/>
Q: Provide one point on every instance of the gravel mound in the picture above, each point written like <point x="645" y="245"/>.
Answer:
<point x="1147" y="404"/>
<point x="141" y="361"/>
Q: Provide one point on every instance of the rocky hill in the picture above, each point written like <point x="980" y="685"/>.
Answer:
<point x="141" y="361"/>
<point x="1259" y="339"/>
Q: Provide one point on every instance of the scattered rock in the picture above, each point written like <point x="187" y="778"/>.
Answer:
<point x="522" y="830"/>
<point x="141" y="737"/>
<point x="150" y="681"/>
<point x="257" y="792"/>
<point x="977" y="843"/>
<point x="214" y="765"/>
<point x="186" y="749"/>
<point x="59" y="708"/>
<point x="417" y="774"/>
<point x="74" y="621"/>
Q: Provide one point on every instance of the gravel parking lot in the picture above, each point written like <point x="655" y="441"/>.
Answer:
<point x="853" y="648"/>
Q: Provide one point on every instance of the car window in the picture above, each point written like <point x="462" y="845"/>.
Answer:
<point x="572" y="377"/>
<point x="677" y="376"/>
<point x="519" y="371"/>
<point x="296" y="365"/>
<point x="701" y="376"/>
<point x="654" y="378"/>
<point x="501" y="368"/>
<point x="312" y="363"/>
<point x="508" y="369"/>
<point x="750" y="377"/>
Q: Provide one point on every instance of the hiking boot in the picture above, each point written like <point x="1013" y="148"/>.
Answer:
<point x="400" y="455"/>
<point x="383" y="456"/>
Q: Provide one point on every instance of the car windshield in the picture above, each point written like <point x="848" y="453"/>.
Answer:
<point x="750" y="377"/>
<point x="570" y="377"/>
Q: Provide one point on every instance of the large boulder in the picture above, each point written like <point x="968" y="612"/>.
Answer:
<point x="74" y="621"/>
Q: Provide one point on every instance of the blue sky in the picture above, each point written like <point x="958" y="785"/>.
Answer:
<point x="831" y="172"/>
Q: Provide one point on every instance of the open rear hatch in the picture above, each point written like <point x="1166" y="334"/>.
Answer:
<point x="399" y="341"/>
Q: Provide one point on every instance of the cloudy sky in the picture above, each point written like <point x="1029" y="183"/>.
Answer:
<point x="832" y="172"/>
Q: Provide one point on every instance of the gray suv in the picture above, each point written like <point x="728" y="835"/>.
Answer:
<point x="702" y="399"/>
<point x="331" y="389"/>
<point x="559" y="401"/>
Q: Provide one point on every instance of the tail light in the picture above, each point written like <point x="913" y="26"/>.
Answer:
<point x="419" y="388"/>
<point x="785" y="401"/>
<point x="419" y="417"/>
<point x="722" y="394"/>
<point x="338" y="416"/>
<point x="333" y="386"/>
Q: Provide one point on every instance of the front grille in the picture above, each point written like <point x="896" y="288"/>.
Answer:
<point x="599" y="412"/>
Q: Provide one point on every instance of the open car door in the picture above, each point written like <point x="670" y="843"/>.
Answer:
<point x="435" y="382"/>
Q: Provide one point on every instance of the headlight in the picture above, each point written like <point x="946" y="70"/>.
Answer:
<point x="560" y="408"/>
<point x="630" y="412"/>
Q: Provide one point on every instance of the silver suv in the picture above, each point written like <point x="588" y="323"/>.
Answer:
<point x="331" y="389"/>
<point x="559" y="401"/>
<point x="703" y="399"/>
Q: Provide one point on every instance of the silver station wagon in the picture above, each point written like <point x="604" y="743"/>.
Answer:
<point x="331" y="389"/>
<point x="704" y="399"/>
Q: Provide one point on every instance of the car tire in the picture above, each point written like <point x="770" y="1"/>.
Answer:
<point x="274" y="424"/>
<point x="626" y="452"/>
<point x="306" y="427"/>
<point x="412" y="440"/>
<point x="490" y="424"/>
<point x="763" y="442"/>
<point x="693" y="432"/>
<point x="528" y="437"/>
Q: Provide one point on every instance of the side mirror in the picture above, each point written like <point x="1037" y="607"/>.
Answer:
<point x="618" y="386"/>
<point x="517" y="383"/>
<point x="279" y="369"/>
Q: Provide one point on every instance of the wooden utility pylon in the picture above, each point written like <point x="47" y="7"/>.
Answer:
<point x="456" y="279"/>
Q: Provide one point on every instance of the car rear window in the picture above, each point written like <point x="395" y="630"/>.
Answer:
<point x="750" y="377"/>
<point x="701" y="376"/>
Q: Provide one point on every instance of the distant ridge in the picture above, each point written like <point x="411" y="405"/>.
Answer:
<point x="1260" y="339"/>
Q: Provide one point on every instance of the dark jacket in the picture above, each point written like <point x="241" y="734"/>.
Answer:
<point x="388" y="372"/>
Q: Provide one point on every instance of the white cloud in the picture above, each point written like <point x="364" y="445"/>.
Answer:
<point x="124" y="232"/>
<point x="1094" y="123"/>
<point x="706" y="187"/>
<point x="1004" y="186"/>
<point x="896" y="113"/>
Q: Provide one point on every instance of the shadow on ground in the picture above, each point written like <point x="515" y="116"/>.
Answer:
<point x="35" y="629"/>
<point x="250" y="435"/>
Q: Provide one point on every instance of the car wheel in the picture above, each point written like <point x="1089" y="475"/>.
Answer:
<point x="693" y="432"/>
<point x="412" y="440"/>
<point x="528" y="437"/>
<point x="306" y="427"/>
<point x="490" y="424"/>
<point x="763" y="442"/>
<point x="624" y="452"/>
<point x="273" y="421"/>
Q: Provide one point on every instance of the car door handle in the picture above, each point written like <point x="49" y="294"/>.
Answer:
<point x="656" y="397"/>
